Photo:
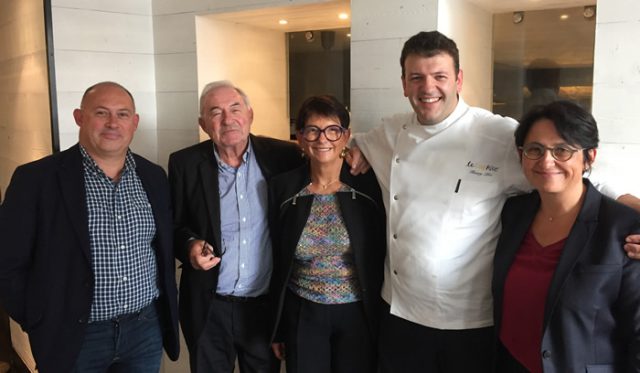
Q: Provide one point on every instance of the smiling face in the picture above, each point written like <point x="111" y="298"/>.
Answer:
<point x="432" y="86"/>
<point x="226" y="118"/>
<point x="323" y="151"/>
<point x="107" y="121"/>
<point x="547" y="174"/>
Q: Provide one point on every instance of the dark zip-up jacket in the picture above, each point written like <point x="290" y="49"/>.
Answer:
<point x="364" y="216"/>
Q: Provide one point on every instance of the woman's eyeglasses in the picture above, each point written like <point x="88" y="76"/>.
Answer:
<point x="535" y="151"/>
<point x="331" y="133"/>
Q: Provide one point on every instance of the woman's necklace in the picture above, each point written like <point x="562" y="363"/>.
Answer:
<point x="550" y="218"/>
<point x="559" y="216"/>
<point x="324" y="186"/>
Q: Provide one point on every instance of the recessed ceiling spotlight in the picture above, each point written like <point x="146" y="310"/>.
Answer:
<point x="589" y="11"/>
<point x="349" y="35"/>
<point x="517" y="17"/>
<point x="309" y="36"/>
<point x="343" y="16"/>
<point x="564" y="16"/>
<point x="283" y="21"/>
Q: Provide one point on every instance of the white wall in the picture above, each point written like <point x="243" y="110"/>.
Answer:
<point x="255" y="60"/>
<point x="616" y="83"/>
<point x="176" y="72"/>
<point x="472" y="29"/>
<point x="96" y="41"/>
<point x="379" y="28"/>
<point x="25" y="125"/>
<point x="176" y="80"/>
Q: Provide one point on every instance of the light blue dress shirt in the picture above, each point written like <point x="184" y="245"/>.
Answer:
<point x="245" y="268"/>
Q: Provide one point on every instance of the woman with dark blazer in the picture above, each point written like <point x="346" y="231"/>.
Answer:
<point x="328" y="231"/>
<point x="566" y="295"/>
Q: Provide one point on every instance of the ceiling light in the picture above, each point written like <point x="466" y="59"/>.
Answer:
<point x="343" y="16"/>
<point x="589" y="11"/>
<point x="564" y="16"/>
<point x="283" y="21"/>
<point x="348" y="35"/>
<point x="517" y="17"/>
<point x="309" y="36"/>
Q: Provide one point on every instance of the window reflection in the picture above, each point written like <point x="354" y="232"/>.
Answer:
<point x="319" y="63"/>
<point x="545" y="57"/>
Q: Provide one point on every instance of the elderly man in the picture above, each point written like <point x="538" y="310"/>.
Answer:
<point x="445" y="171"/>
<point x="85" y="264"/>
<point x="219" y="190"/>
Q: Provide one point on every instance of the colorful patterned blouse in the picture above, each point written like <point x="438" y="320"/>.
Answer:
<point x="324" y="269"/>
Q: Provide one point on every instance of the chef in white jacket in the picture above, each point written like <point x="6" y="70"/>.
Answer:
<point x="445" y="171"/>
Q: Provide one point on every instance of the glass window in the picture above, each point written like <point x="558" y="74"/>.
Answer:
<point x="319" y="63"/>
<point x="547" y="55"/>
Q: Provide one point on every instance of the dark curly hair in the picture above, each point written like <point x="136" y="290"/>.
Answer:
<point x="574" y="124"/>
<point x="429" y="44"/>
<point x="324" y="105"/>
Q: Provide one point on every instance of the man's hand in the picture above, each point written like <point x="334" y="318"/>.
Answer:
<point x="201" y="255"/>
<point x="632" y="247"/>
<point x="357" y="161"/>
<point x="630" y="200"/>
<point x="278" y="350"/>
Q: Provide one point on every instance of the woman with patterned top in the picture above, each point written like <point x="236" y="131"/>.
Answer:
<point x="328" y="231"/>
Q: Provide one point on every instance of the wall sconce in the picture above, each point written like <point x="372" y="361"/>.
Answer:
<point x="517" y="17"/>
<point x="589" y="11"/>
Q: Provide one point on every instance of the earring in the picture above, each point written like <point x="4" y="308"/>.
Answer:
<point x="344" y="152"/>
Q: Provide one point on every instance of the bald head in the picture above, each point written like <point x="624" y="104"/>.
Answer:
<point x="96" y="86"/>
<point x="107" y="121"/>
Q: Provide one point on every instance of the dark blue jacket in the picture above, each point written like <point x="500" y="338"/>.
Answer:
<point x="592" y="312"/>
<point x="46" y="277"/>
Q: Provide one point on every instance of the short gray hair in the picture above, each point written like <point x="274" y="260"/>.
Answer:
<point x="219" y="84"/>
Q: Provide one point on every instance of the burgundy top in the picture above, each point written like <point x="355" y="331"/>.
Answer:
<point x="525" y="295"/>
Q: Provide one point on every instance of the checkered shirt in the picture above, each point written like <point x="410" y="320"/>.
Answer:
<point x="121" y="234"/>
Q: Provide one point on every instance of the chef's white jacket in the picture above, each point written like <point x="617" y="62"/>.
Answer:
<point x="443" y="188"/>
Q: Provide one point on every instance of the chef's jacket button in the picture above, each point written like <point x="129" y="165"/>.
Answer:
<point x="395" y="197"/>
<point x="395" y="272"/>
<point x="546" y="354"/>
<point x="81" y="321"/>
<point x="397" y="160"/>
<point x="395" y="236"/>
<point x="404" y="126"/>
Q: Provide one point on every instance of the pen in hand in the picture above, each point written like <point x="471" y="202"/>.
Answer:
<point x="207" y="250"/>
<point x="202" y="255"/>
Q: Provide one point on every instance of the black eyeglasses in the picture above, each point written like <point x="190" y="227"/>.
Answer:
<point x="312" y="133"/>
<point x="535" y="151"/>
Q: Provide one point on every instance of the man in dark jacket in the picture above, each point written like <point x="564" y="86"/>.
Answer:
<point x="86" y="266"/>
<point x="219" y="191"/>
